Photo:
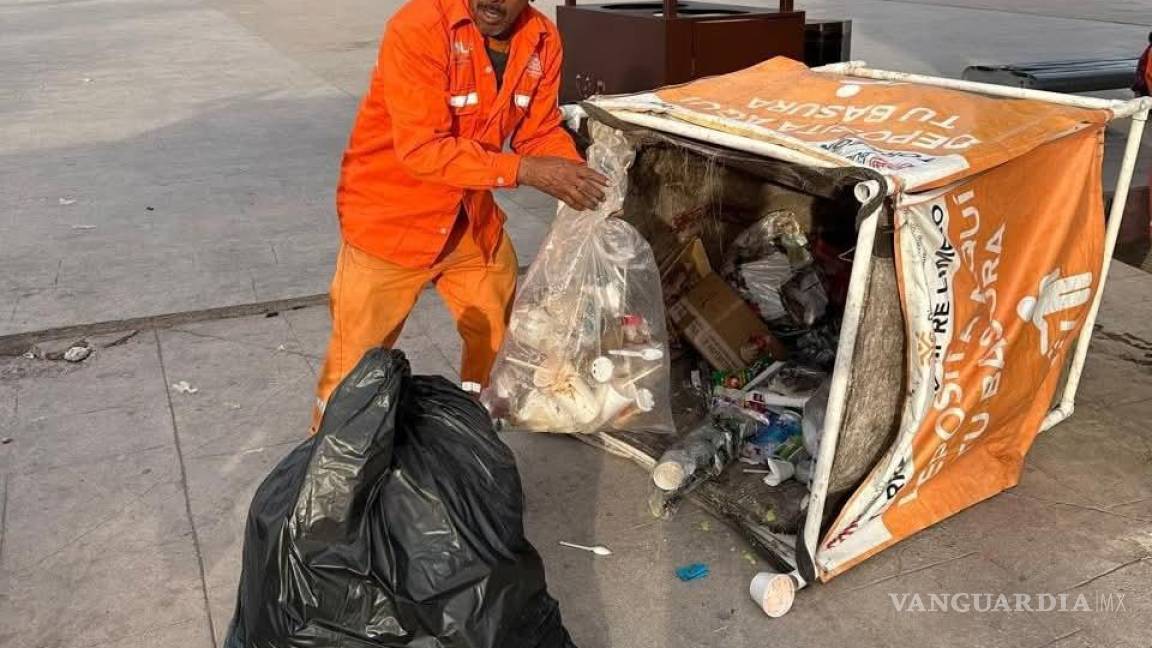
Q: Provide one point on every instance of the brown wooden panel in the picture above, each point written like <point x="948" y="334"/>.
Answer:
<point x="725" y="45"/>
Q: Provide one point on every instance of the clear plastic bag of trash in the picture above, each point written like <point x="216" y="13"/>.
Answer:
<point x="587" y="345"/>
<point x="399" y="524"/>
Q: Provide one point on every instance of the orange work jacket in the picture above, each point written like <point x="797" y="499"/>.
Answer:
<point x="429" y="135"/>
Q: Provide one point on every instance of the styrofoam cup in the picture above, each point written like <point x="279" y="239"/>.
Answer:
<point x="782" y="471"/>
<point x="773" y="592"/>
<point x="612" y="402"/>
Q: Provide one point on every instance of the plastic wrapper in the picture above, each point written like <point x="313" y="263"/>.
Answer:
<point x="587" y="345"/>
<point x="817" y="347"/>
<point x="813" y="422"/>
<point x="761" y="282"/>
<point x="777" y="437"/>
<point x="777" y="232"/>
<point x="774" y="271"/>
<point x="398" y="525"/>
<point x="804" y="297"/>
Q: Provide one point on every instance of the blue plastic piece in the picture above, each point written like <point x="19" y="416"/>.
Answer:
<point x="692" y="572"/>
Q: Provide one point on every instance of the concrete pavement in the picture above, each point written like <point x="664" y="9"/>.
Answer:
<point x="158" y="157"/>
<point x="124" y="501"/>
<point x="180" y="155"/>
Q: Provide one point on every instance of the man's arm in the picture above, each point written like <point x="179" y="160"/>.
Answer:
<point x="414" y="84"/>
<point x="551" y="162"/>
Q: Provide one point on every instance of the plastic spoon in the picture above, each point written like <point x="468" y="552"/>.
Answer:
<point x="522" y="363"/>
<point x="598" y="550"/>
<point x="649" y="354"/>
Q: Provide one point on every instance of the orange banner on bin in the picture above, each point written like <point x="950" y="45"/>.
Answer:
<point x="923" y="136"/>
<point x="997" y="275"/>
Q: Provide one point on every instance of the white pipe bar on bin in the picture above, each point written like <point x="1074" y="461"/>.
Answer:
<point x="720" y="138"/>
<point x="1115" y="216"/>
<point x="1118" y="108"/>
<point x="845" y="352"/>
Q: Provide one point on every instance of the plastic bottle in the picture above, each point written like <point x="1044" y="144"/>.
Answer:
<point x="705" y="451"/>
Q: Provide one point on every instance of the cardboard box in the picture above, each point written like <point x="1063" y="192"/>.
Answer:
<point x="722" y="327"/>
<point x="684" y="270"/>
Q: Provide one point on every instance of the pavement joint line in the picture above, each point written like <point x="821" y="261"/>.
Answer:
<point x="184" y="488"/>
<point x="19" y="343"/>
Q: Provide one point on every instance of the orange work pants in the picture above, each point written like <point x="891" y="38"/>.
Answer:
<point x="371" y="298"/>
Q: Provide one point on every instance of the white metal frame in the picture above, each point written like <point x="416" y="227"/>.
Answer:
<point x="1137" y="109"/>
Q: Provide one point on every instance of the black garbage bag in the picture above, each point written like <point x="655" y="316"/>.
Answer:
<point x="398" y="524"/>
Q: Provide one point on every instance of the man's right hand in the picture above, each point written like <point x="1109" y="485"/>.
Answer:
<point x="578" y="186"/>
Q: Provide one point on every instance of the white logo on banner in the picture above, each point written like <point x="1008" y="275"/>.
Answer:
<point x="1055" y="297"/>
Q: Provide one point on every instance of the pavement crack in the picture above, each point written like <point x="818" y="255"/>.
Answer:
<point x="246" y="451"/>
<point x="1107" y="572"/>
<point x="56" y="279"/>
<point x="1082" y="507"/>
<point x="296" y="338"/>
<point x="275" y="257"/>
<point x="278" y="387"/>
<point x="1135" y="501"/>
<point x="122" y="339"/>
<point x="119" y="456"/>
<point x="142" y="633"/>
<point x="251" y="345"/>
<point x="184" y="489"/>
<point x="101" y="524"/>
<point x="912" y="571"/>
<point x="1062" y="637"/>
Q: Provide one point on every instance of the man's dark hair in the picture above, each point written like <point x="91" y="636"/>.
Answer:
<point x="1150" y="37"/>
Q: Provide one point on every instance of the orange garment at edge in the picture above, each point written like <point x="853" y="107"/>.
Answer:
<point x="414" y="197"/>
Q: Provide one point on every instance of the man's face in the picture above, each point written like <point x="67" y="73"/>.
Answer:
<point x="495" y="18"/>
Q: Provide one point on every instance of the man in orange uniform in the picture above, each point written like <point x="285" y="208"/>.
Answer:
<point x="454" y="81"/>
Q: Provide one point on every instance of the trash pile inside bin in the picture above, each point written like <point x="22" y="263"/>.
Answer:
<point x="762" y="332"/>
<point x="699" y="299"/>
